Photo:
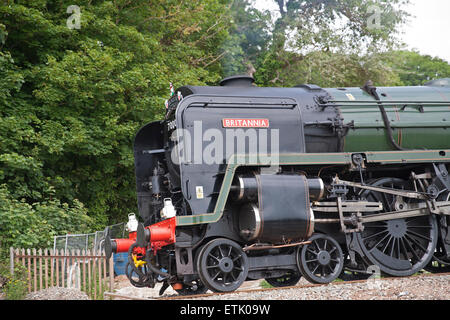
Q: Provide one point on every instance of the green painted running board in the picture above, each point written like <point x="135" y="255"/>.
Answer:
<point x="410" y="156"/>
<point x="382" y="157"/>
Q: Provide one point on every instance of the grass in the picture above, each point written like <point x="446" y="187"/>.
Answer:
<point x="264" y="284"/>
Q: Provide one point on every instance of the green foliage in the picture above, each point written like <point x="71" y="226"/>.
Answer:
<point x="264" y="284"/>
<point x="415" y="69"/>
<point x="250" y="34"/>
<point x="71" y="101"/>
<point x="330" y="43"/>
<point x="328" y="69"/>
<point x="32" y="226"/>
<point x="14" y="287"/>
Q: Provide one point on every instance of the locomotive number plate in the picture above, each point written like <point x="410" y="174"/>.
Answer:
<point x="245" y="123"/>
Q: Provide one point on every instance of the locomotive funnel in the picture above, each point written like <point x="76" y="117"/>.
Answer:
<point x="238" y="81"/>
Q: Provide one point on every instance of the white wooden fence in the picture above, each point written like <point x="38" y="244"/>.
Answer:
<point x="86" y="270"/>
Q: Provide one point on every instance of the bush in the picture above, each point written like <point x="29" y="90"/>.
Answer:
<point x="14" y="287"/>
<point x="33" y="226"/>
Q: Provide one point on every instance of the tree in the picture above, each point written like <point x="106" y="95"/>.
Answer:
<point x="341" y="32"/>
<point x="332" y="24"/>
<point x="415" y="69"/>
<point x="71" y="101"/>
<point x="330" y="70"/>
<point x="250" y="35"/>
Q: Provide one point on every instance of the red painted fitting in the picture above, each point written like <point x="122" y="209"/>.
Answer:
<point x="122" y="245"/>
<point x="162" y="233"/>
<point x="177" y="286"/>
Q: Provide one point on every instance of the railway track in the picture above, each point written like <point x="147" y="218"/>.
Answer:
<point x="338" y="283"/>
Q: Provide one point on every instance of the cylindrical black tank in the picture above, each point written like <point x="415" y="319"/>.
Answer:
<point x="245" y="188"/>
<point x="281" y="212"/>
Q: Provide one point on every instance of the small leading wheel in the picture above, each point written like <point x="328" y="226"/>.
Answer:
<point x="289" y="279"/>
<point x="322" y="260"/>
<point x="222" y="265"/>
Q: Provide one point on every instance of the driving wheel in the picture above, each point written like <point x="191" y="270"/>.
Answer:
<point x="400" y="247"/>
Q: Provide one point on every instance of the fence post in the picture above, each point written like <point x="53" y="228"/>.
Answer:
<point x="29" y="269"/>
<point x="52" y="266"/>
<point x="94" y="278"/>
<point x="11" y="260"/>
<point x="35" y="269"/>
<point x="83" y="253"/>
<point x="99" y="260"/>
<point x="105" y="279"/>
<point x="46" y="269"/>
<point x="40" y="270"/>
<point x="111" y="274"/>
<point x="88" y="252"/>
<point x="57" y="267"/>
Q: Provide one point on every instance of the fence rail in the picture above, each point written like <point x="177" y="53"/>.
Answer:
<point x="86" y="270"/>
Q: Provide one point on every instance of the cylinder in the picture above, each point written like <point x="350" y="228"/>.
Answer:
<point x="316" y="189"/>
<point x="250" y="221"/>
<point x="282" y="212"/>
<point x="117" y="245"/>
<point x="245" y="188"/>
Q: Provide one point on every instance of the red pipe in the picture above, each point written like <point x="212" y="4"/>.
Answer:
<point x="122" y="245"/>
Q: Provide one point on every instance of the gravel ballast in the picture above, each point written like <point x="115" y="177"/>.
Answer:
<point x="412" y="288"/>
<point x="57" y="293"/>
<point x="421" y="287"/>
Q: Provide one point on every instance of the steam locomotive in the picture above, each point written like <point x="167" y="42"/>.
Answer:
<point x="240" y="182"/>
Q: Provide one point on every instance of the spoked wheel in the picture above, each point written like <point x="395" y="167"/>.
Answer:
<point x="289" y="279"/>
<point x="400" y="247"/>
<point x="441" y="262"/>
<point x="322" y="260"/>
<point x="222" y="265"/>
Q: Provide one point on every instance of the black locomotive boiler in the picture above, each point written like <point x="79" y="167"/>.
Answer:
<point x="240" y="182"/>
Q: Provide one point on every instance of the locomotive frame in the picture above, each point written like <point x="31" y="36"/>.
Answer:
<point x="388" y="208"/>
